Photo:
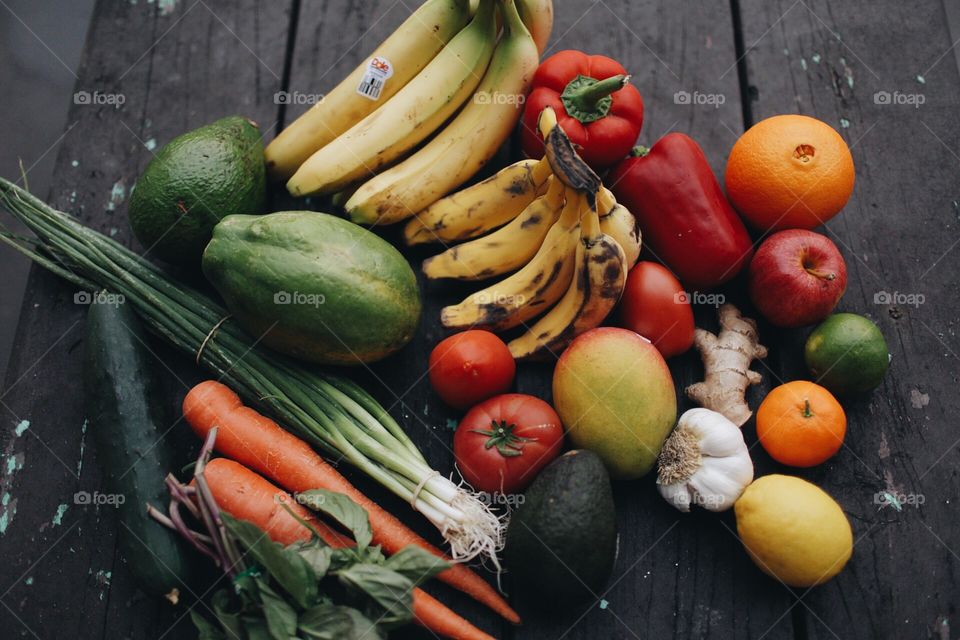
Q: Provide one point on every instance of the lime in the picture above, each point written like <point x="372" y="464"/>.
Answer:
<point x="847" y="354"/>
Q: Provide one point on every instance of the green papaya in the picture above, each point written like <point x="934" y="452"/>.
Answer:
<point x="314" y="286"/>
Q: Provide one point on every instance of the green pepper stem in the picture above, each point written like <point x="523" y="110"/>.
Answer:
<point x="588" y="99"/>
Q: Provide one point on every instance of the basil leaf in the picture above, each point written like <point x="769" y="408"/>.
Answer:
<point x="255" y="629"/>
<point x="343" y="510"/>
<point x="281" y="617"/>
<point x="341" y="558"/>
<point x="389" y="590"/>
<point x="227" y="614"/>
<point x="318" y="556"/>
<point x="206" y="630"/>
<point x="291" y="572"/>
<point x="332" y="622"/>
<point x="418" y="565"/>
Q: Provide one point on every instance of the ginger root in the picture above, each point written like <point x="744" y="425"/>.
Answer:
<point x="726" y="363"/>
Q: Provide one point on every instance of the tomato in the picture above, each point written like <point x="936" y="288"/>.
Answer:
<point x="469" y="367"/>
<point x="503" y="443"/>
<point x="655" y="305"/>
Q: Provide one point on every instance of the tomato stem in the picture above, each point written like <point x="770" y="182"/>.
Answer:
<point x="502" y="437"/>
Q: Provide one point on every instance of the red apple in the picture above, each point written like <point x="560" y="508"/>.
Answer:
<point x="796" y="278"/>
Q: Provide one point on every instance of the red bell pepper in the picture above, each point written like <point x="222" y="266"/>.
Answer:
<point x="683" y="214"/>
<point x="595" y="105"/>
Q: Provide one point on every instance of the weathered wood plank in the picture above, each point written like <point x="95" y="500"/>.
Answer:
<point x="175" y="66"/>
<point x="885" y="75"/>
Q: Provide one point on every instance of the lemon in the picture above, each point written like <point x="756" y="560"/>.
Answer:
<point x="793" y="530"/>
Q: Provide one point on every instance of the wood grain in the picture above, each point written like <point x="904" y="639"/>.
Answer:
<point x="677" y="576"/>
<point x="863" y="67"/>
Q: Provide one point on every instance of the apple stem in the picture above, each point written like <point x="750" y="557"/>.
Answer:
<point x="823" y="275"/>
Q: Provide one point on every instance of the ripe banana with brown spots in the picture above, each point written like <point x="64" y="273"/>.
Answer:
<point x="480" y="208"/>
<point x="531" y="290"/>
<point x="506" y="249"/>
<point x="601" y="274"/>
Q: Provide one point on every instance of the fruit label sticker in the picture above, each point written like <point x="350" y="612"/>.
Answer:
<point x="378" y="72"/>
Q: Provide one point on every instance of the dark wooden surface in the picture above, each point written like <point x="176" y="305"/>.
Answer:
<point x="182" y="64"/>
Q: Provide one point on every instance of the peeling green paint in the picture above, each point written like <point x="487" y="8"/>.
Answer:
<point x="103" y="579"/>
<point x="28" y="581"/>
<point x="150" y="144"/>
<point x="9" y="511"/>
<point x="844" y="123"/>
<point x="14" y="463"/>
<point x="166" y="6"/>
<point x="58" y="516"/>
<point x="803" y="63"/>
<point x="22" y="427"/>
<point x="921" y="79"/>
<point x="117" y="195"/>
<point x="451" y="424"/>
<point x="816" y="58"/>
<point x="83" y="445"/>
<point x="75" y="163"/>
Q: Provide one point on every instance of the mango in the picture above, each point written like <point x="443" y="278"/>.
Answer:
<point x="615" y="396"/>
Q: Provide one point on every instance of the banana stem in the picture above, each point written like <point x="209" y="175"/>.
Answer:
<point x="511" y="18"/>
<point x="589" y="220"/>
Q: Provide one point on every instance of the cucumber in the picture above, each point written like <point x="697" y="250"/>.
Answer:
<point x="127" y="421"/>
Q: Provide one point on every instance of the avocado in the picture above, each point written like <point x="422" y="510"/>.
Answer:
<point x="562" y="541"/>
<point x="193" y="182"/>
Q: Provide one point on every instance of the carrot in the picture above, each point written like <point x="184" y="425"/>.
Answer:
<point x="261" y="444"/>
<point x="248" y="496"/>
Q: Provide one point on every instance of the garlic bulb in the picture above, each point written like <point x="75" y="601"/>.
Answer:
<point x="704" y="462"/>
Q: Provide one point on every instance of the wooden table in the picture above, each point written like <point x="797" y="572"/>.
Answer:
<point x="884" y="73"/>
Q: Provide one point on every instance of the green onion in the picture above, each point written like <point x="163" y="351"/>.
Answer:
<point x="331" y="413"/>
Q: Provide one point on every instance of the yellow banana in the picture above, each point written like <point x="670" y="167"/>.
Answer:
<point x="538" y="16"/>
<point x="532" y="289"/>
<point x="409" y="117"/>
<point x="617" y="222"/>
<point x="479" y="208"/>
<point x="504" y="250"/>
<point x="404" y="54"/>
<point x="465" y="145"/>
<point x="597" y="285"/>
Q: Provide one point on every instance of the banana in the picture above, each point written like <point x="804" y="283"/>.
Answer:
<point x="532" y="289"/>
<point x="620" y="225"/>
<point x="409" y="117"/>
<point x="538" y="16"/>
<point x="600" y="277"/>
<point x="407" y="51"/>
<point x="617" y="221"/>
<point x="504" y="250"/>
<point x="465" y="145"/>
<point x="479" y="208"/>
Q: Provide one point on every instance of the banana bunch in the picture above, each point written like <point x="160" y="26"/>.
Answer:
<point x="565" y="242"/>
<point x="423" y="114"/>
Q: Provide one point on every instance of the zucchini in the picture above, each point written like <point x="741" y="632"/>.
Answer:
<point x="127" y="421"/>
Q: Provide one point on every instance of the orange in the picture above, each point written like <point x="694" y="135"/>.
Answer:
<point x="789" y="172"/>
<point x="801" y="424"/>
